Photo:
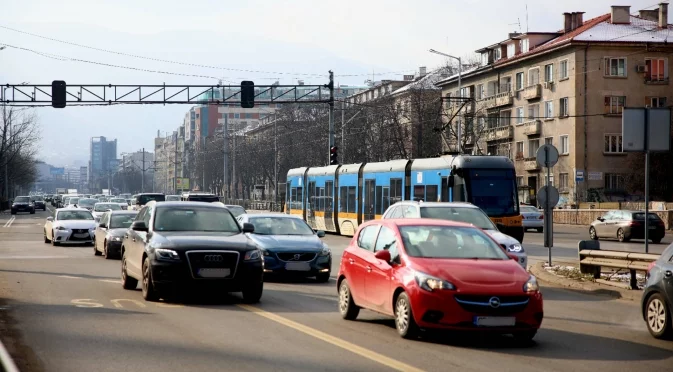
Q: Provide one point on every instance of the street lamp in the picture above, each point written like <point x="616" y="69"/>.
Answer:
<point x="459" y="132"/>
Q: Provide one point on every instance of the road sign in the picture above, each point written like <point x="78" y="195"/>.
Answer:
<point x="547" y="156"/>
<point x="548" y="196"/>
<point x="579" y="176"/>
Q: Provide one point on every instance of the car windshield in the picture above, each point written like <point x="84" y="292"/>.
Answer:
<point x="117" y="201"/>
<point x="144" y="199"/>
<point x="192" y="218"/>
<point x="450" y="242"/>
<point x="529" y="209"/>
<point x="236" y="210"/>
<point x="73" y="200"/>
<point x="21" y="199"/>
<point x="121" y="221"/>
<point x="280" y="226"/>
<point x="107" y="206"/>
<point x="74" y="215"/>
<point x="87" y="202"/>
<point x="494" y="191"/>
<point x="650" y="216"/>
<point x="172" y="198"/>
<point x="473" y="216"/>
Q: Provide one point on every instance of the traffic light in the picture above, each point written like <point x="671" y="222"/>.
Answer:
<point x="247" y="94"/>
<point x="58" y="94"/>
<point x="333" y="155"/>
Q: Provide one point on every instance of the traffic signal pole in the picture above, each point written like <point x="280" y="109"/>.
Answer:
<point x="331" y="115"/>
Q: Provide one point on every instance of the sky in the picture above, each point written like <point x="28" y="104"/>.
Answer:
<point x="288" y="40"/>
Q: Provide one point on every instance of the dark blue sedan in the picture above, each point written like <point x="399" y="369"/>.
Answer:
<point x="290" y="246"/>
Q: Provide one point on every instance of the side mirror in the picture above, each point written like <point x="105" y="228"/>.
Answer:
<point x="50" y="218"/>
<point x="320" y="233"/>
<point x="383" y="255"/>
<point x="102" y="225"/>
<point x="248" y="227"/>
<point x="139" y="226"/>
<point x="601" y="219"/>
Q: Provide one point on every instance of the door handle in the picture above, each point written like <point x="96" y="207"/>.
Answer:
<point x="369" y="269"/>
<point x="351" y="261"/>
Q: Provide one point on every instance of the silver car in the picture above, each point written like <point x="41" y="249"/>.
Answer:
<point x="70" y="226"/>
<point x="100" y="208"/>
<point x="532" y="218"/>
<point x="460" y="212"/>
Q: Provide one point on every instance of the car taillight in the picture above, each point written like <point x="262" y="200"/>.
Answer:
<point x="541" y="217"/>
<point x="650" y="266"/>
<point x="634" y="223"/>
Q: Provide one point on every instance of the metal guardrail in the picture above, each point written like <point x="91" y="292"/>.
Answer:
<point x="259" y="205"/>
<point x="592" y="259"/>
<point x="6" y="362"/>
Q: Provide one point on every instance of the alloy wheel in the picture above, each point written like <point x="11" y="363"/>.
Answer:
<point x="344" y="298"/>
<point x="656" y="315"/>
<point x="402" y="315"/>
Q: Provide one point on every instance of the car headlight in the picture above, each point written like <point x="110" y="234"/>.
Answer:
<point x="515" y="248"/>
<point x="531" y="285"/>
<point x="166" y="254"/>
<point x="325" y="251"/>
<point x="430" y="283"/>
<point x="62" y="228"/>
<point x="253" y="255"/>
<point x="116" y="238"/>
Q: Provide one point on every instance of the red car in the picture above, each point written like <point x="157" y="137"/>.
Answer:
<point x="437" y="274"/>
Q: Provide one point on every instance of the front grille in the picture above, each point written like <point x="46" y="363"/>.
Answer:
<point x="212" y="260"/>
<point x="296" y="256"/>
<point x="481" y="305"/>
<point x="78" y="239"/>
<point x="79" y="231"/>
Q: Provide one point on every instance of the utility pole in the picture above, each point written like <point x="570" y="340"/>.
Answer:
<point x="233" y="164"/>
<point x="203" y="174"/>
<point x="225" y="149"/>
<point x="331" y="114"/>
<point x="4" y="139"/>
<point x="343" y="124"/>
<point x="275" y="161"/>
<point x="142" y="181"/>
<point x="175" y="167"/>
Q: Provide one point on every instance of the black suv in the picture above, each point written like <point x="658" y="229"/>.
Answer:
<point x="39" y="202"/>
<point x="22" y="204"/>
<point x="140" y="200"/>
<point x="177" y="246"/>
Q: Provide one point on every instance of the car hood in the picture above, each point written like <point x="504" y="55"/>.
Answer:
<point x="473" y="274"/>
<point x="76" y="224"/>
<point x="117" y="232"/>
<point x="287" y="242"/>
<point x="501" y="238"/>
<point x="183" y="240"/>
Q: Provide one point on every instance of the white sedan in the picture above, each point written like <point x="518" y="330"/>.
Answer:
<point x="99" y="209"/>
<point x="70" y="226"/>
<point x="532" y="218"/>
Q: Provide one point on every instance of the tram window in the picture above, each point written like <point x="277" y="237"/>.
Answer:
<point x="328" y="196"/>
<point x="300" y="198"/>
<point x="385" y="200"/>
<point x="396" y="190"/>
<point x="445" y="189"/>
<point x="343" y="199"/>
<point x="419" y="193"/>
<point x="321" y="199"/>
<point x="351" y="199"/>
<point x="431" y="193"/>
<point x="379" y="201"/>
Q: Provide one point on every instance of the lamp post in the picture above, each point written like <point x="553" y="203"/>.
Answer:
<point x="459" y="132"/>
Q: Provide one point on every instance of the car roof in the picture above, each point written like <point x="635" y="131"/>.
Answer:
<point x="168" y="204"/>
<point x="73" y="209"/>
<point x="233" y="205"/>
<point x="435" y="204"/>
<point x="123" y="212"/>
<point x="272" y="215"/>
<point x="419" y="221"/>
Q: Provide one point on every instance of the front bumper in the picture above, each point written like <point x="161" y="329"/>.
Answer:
<point x="70" y="237"/>
<point x="441" y="310"/>
<point x="114" y="247"/>
<point x="273" y="265"/>
<point x="22" y="208"/>
<point x="533" y="224"/>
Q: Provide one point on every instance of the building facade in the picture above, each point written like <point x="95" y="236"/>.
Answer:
<point x="567" y="89"/>
<point x="102" y="157"/>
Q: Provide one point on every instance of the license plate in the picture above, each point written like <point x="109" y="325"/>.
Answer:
<point x="531" y="218"/>
<point x="214" y="273"/>
<point x="490" y="321"/>
<point x="297" y="266"/>
<point x="85" y="235"/>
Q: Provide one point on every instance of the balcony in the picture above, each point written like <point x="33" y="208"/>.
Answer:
<point x="530" y="164"/>
<point x="499" y="133"/>
<point x="531" y="128"/>
<point x="498" y="100"/>
<point x="532" y="92"/>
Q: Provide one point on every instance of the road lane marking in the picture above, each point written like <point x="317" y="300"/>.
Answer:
<point x="69" y="277"/>
<point x="10" y="221"/>
<point x="86" y="302"/>
<point x="30" y="257"/>
<point x="371" y="355"/>
<point x="111" y="281"/>
<point x="117" y="303"/>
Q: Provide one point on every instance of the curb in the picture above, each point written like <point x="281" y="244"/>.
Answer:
<point x="6" y="361"/>
<point x="599" y="289"/>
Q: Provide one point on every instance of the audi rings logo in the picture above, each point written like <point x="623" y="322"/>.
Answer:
<point x="494" y="302"/>
<point x="213" y="258"/>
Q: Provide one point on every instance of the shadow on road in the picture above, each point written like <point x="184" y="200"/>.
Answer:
<point x="571" y="294"/>
<point x="82" y="276"/>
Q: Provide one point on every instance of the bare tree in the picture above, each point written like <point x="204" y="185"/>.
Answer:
<point x="20" y="133"/>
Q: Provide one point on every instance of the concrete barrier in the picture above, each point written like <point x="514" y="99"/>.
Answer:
<point x="585" y="217"/>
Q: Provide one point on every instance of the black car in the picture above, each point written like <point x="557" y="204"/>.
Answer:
<point x="110" y="232"/>
<point x="22" y="204"/>
<point x="38" y="202"/>
<point x="657" y="301"/>
<point x="176" y="246"/>
<point x="57" y="201"/>
<point x="140" y="200"/>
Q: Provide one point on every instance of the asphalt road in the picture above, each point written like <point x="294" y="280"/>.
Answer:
<point x="69" y="312"/>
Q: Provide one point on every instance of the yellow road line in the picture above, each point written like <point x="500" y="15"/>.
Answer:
<point x="371" y="355"/>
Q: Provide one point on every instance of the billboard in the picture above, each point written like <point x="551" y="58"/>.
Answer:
<point x="182" y="183"/>
<point x="57" y="171"/>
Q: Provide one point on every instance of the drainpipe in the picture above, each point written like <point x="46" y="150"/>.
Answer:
<point x="586" y="119"/>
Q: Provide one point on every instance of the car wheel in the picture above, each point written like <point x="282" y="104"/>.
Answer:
<point x="95" y="248"/>
<point x="53" y="239"/>
<point x="253" y="293"/>
<point x="46" y="240"/>
<point x="656" y="240"/>
<point x="592" y="233"/>
<point x="347" y="307"/>
<point x="32" y="212"/>
<point x="525" y="336"/>
<point x="149" y="292"/>
<point x="658" y="317"/>
<point x="539" y="229"/>
<point x="621" y="236"/>
<point x="404" y="318"/>
<point x="106" y="254"/>
<point x="323" y="277"/>
<point x="127" y="281"/>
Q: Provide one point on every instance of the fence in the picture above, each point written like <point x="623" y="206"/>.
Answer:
<point x="586" y="216"/>
<point x="259" y="205"/>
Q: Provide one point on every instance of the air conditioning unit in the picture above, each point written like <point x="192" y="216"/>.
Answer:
<point x="548" y="84"/>
<point x="641" y="68"/>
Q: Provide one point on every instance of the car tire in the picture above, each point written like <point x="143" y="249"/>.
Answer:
<point x="592" y="233"/>
<point x="252" y="294"/>
<point x="323" y="277"/>
<point x="539" y="229"/>
<point x="32" y="212"/>
<point x="658" y="317"/>
<point x="524" y="336"/>
<point x="127" y="281"/>
<point x="149" y="291"/>
<point x="621" y="236"/>
<point x="106" y="254"/>
<point x="347" y="307"/>
<point x="404" y="317"/>
<point x="53" y="240"/>
<point x="95" y="248"/>
<point x="46" y="240"/>
<point x="656" y="240"/>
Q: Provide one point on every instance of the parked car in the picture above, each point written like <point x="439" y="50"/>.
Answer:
<point x="290" y="246"/>
<point x="533" y="218"/>
<point x="175" y="246"/>
<point x="110" y="231"/>
<point x="461" y="212"/>
<point x="657" y="300"/>
<point x="70" y="226"/>
<point x="431" y="273"/>
<point x="626" y="225"/>
<point x="22" y="204"/>
<point x="38" y="202"/>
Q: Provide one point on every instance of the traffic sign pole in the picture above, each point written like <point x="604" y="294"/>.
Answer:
<point x="547" y="156"/>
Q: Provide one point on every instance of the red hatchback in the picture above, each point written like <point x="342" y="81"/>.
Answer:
<point x="437" y="274"/>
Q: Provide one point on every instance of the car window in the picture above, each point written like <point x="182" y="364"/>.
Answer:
<point x="411" y="211"/>
<point x="650" y="216"/>
<point x="147" y="216"/>
<point x="386" y="241"/>
<point x="73" y="200"/>
<point x="141" y="215"/>
<point x="450" y="242"/>
<point x="104" y="218"/>
<point x="103" y="207"/>
<point x="172" y="198"/>
<point x="121" y="221"/>
<point x="191" y="218"/>
<point x="236" y="210"/>
<point x="144" y="199"/>
<point x="395" y="212"/>
<point x="280" y="226"/>
<point x="74" y="215"/>
<point x="367" y="237"/>
<point x="472" y="216"/>
<point x="87" y="202"/>
<point x="608" y="216"/>
<point x="529" y="209"/>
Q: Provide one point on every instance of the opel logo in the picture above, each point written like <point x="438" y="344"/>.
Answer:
<point x="213" y="258"/>
<point x="494" y="302"/>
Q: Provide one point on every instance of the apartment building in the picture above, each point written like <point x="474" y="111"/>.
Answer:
<point x="566" y="88"/>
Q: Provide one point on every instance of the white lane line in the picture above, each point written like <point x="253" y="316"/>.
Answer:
<point x="9" y="222"/>
<point x="69" y="277"/>
<point x="110" y="281"/>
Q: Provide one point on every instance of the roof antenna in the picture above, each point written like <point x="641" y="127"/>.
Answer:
<point x="526" y="17"/>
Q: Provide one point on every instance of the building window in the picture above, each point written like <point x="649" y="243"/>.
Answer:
<point x="614" y="182"/>
<point x="549" y="73"/>
<point x="496" y="53"/>
<point x="492" y="120"/>
<point x="614" y="104"/>
<point x="533" y="76"/>
<point x="563" y="181"/>
<point x="565" y="145"/>
<point x="480" y="91"/>
<point x="519" y="180"/>
<point x="549" y="110"/>
<point x="549" y="140"/>
<point x="613" y="143"/>
<point x="492" y="149"/>
<point x="505" y="118"/>
<point x="563" y="107"/>
<point x="533" y="111"/>
<point x="656" y="69"/>
<point x="519" y="115"/>
<point x="519" y="80"/>
<point x="519" y="150"/>
<point x="615" y="67"/>
<point x="551" y="180"/>
<point x="237" y="116"/>
<point x="533" y="145"/>
<point x="524" y="45"/>
<point x="563" y="67"/>
<point x="657" y="102"/>
<point x="511" y="50"/>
